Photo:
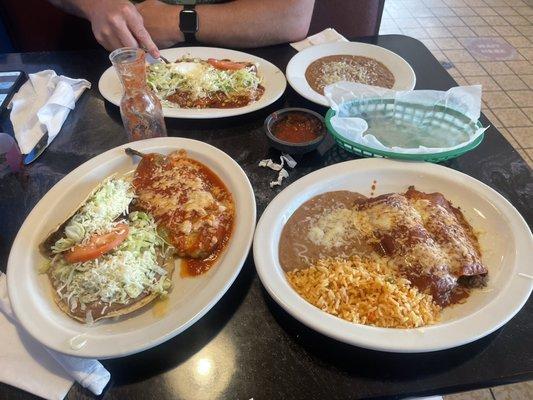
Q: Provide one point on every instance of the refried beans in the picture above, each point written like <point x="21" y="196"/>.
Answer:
<point x="332" y="69"/>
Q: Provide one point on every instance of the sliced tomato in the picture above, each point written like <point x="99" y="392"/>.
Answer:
<point x="98" y="245"/>
<point x="226" y="64"/>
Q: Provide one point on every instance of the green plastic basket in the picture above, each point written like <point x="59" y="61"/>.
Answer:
<point x="443" y="116"/>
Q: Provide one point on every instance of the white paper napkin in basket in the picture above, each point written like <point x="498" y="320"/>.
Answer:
<point x="30" y="366"/>
<point x="41" y="105"/>
<point x="463" y="99"/>
<point x="328" y="35"/>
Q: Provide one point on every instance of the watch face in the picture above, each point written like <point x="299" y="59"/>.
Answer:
<point x="188" y="21"/>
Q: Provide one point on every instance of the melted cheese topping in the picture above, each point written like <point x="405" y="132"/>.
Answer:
<point x="186" y="200"/>
<point x="337" y="71"/>
<point x="331" y="229"/>
<point x="420" y="237"/>
<point x="448" y="233"/>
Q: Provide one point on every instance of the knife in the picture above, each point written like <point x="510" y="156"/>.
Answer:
<point x="39" y="148"/>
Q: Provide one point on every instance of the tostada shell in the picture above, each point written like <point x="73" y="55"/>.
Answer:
<point x="166" y="261"/>
<point x="135" y="305"/>
<point x="57" y="233"/>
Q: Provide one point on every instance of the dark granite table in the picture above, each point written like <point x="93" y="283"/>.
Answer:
<point x="247" y="346"/>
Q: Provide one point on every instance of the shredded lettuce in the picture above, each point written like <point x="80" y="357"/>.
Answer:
<point x="199" y="78"/>
<point x="98" y="214"/>
<point x="118" y="276"/>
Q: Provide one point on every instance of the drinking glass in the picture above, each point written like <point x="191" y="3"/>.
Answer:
<point x="140" y="109"/>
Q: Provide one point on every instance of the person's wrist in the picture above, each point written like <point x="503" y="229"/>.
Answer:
<point x="89" y="7"/>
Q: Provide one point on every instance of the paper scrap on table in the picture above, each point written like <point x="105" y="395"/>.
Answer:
<point x="41" y="106"/>
<point x="270" y="164"/>
<point x="30" y="366"/>
<point x="328" y="35"/>
<point x="282" y="175"/>
<point x="291" y="163"/>
<point x="284" y="158"/>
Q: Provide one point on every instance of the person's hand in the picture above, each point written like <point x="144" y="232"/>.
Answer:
<point x="162" y="21"/>
<point x="117" y="23"/>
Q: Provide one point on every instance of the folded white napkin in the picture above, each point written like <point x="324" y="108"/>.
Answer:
<point x="328" y="35"/>
<point x="41" y="105"/>
<point x="30" y="366"/>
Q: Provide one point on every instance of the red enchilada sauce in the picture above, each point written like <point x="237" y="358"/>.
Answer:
<point x="429" y="243"/>
<point x="164" y="186"/>
<point x="297" y="127"/>
<point x="216" y="100"/>
<point x="196" y="266"/>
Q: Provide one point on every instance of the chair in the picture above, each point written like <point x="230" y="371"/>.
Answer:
<point x="36" y="25"/>
<point x="351" y="18"/>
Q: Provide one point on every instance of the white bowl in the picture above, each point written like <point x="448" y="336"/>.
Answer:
<point x="404" y="76"/>
<point x="506" y="243"/>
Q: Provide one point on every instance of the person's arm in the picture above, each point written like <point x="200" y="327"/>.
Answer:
<point x="115" y="23"/>
<point x="239" y="23"/>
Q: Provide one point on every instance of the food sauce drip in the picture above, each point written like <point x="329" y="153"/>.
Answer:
<point x="373" y="187"/>
<point x="197" y="266"/>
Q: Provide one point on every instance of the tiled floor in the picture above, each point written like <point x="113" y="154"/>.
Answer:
<point x="487" y="42"/>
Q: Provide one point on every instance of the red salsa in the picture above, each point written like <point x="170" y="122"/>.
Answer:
<point x="297" y="127"/>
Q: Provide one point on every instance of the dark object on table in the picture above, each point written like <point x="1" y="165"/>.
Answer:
<point x="10" y="81"/>
<point x="291" y="119"/>
<point x="247" y="346"/>
<point x="132" y="152"/>
<point x="36" y="152"/>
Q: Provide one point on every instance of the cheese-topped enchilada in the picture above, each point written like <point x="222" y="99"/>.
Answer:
<point x="413" y="237"/>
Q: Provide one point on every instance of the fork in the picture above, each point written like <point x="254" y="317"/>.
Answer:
<point x="164" y="59"/>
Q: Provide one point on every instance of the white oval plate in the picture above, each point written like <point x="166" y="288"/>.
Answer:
<point x="404" y="75"/>
<point x="506" y="243"/>
<point x="272" y="79"/>
<point x="190" y="298"/>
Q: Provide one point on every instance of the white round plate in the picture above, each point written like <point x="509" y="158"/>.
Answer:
<point x="31" y="293"/>
<point x="273" y="81"/>
<point x="404" y="75"/>
<point x="506" y="244"/>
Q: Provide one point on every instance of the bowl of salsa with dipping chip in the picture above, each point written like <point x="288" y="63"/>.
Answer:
<point x="295" y="130"/>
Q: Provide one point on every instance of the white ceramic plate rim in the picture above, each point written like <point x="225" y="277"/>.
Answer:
<point x="274" y="82"/>
<point x="432" y="338"/>
<point x="298" y="64"/>
<point x="105" y="346"/>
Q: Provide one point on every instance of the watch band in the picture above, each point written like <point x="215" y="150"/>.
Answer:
<point x="189" y="37"/>
<point x="189" y="12"/>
